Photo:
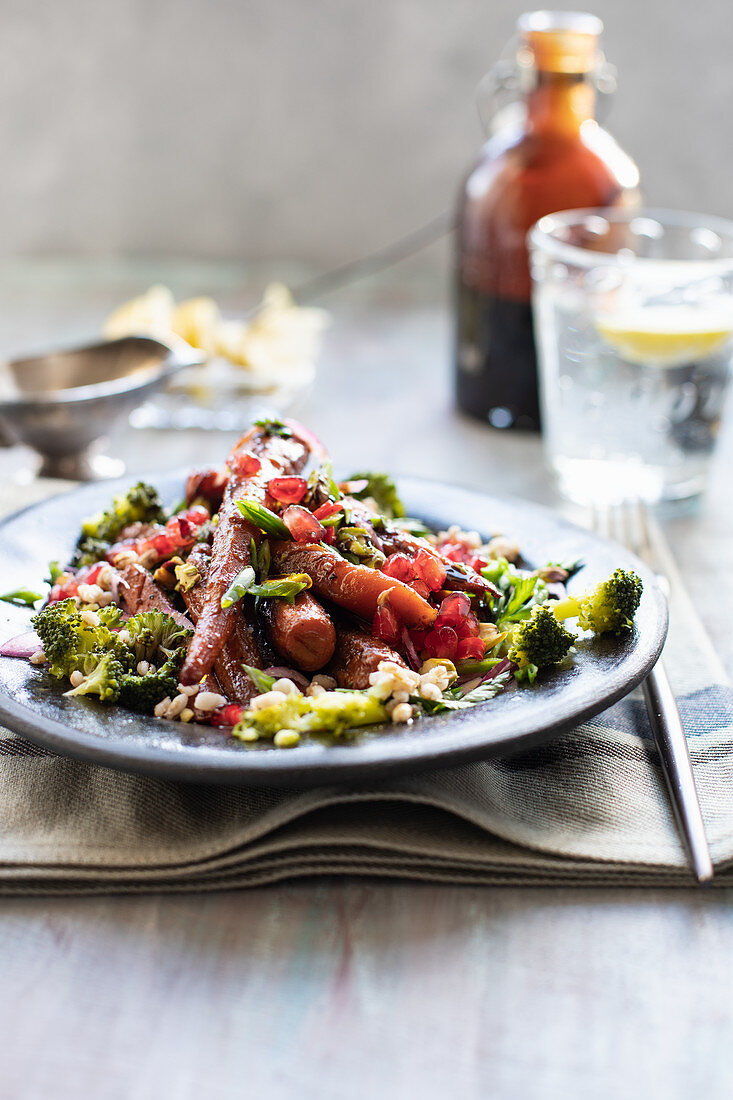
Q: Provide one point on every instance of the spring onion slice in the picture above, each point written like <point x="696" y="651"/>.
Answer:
<point x="260" y="679"/>
<point x="240" y="586"/>
<point x="22" y="597"/>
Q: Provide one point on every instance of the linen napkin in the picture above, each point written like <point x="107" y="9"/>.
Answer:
<point x="588" y="808"/>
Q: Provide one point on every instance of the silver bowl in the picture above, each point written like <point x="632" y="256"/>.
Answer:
<point x="62" y="403"/>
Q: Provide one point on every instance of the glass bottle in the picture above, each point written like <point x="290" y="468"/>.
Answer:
<point x="554" y="156"/>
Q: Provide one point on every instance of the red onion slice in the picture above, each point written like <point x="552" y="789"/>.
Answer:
<point x="410" y="651"/>
<point x="280" y="672"/>
<point x="22" y="645"/>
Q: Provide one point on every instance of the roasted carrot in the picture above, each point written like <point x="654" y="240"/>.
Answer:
<point x="355" y="587"/>
<point x="257" y="457"/>
<point x="303" y="632"/>
<point x="242" y="647"/>
<point x="357" y="655"/>
<point x="393" y="540"/>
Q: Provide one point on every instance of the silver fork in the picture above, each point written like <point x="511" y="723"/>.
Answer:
<point x="629" y="524"/>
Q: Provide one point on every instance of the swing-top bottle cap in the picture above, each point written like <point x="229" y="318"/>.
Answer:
<point x="560" y="41"/>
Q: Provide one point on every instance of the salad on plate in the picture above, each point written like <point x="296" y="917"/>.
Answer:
<point x="280" y="604"/>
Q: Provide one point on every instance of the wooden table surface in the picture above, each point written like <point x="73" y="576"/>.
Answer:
<point x="350" y="989"/>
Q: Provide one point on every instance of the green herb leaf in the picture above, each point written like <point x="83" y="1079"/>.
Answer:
<point x="239" y="587"/>
<point x="22" y="597"/>
<point x="382" y="490"/>
<point x="451" y="701"/>
<point x="275" y="427"/>
<point x="520" y="602"/>
<point x="413" y="526"/>
<point x="260" y="679"/>
<point x="263" y="518"/>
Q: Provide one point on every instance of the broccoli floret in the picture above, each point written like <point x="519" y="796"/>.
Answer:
<point x="89" y="550"/>
<point x="382" y="490"/>
<point x="141" y="504"/>
<point x="155" y="636"/>
<point x="58" y="625"/>
<point x="537" y="642"/>
<point x="608" y="608"/>
<point x="103" y="680"/>
<point x="143" y="693"/>
<point x="70" y="643"/>
<point x="108" y="664"/>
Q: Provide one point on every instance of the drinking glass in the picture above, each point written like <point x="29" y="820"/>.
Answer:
<point x="633" y="316"/>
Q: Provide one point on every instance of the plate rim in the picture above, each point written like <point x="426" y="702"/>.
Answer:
<point x="342" y="763"/>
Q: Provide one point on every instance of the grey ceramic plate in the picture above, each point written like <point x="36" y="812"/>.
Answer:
<point x="33" y="705"/>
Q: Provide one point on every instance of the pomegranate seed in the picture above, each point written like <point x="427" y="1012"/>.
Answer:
<point x="227" y="716"/>
<point x="468" y="627"/>
<point x="386" y="625"/>
<point x="197" y="515"/>
<point x="91" y="576"/>
<point x="245" y="463"/>
<point x="478" y="564"/>
<point x="330" y="508"/>
<point x="64" y="591"/>
<point x="431" y="570"/>
<point x="454" y="608"/>
<point x="162" y="544"/>
<point x="400" y="567"/>
<point x="472" y="648"/>
<point x="184" y="527"/>
<point x="302" y="524"/>
<point x="287" y="490"/>
<point x="442" y="642"/>
<point x="417" y="637"/>
<point x="452" y="550"/>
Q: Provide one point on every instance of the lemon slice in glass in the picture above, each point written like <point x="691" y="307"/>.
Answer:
<point x="666" y="336"/>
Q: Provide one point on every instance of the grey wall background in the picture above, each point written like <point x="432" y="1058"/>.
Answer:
<point x="311" y="129"/>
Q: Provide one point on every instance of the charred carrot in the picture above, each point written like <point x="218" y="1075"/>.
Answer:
<point x="257" y="457"/>
<point x="303" y="632"/>
<point x="242" y="648"/>
<point x="355" y="587"/>
<point x="356" y="656"/>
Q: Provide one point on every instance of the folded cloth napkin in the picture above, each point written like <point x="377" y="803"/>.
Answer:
<point x="588" y="808"/>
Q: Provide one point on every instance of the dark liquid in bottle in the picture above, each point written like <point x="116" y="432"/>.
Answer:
<point x="496" y="366"/>
<point x="552" y="156"/>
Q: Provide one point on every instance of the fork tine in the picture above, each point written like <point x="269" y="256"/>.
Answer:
<point x="628" y="523"/>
